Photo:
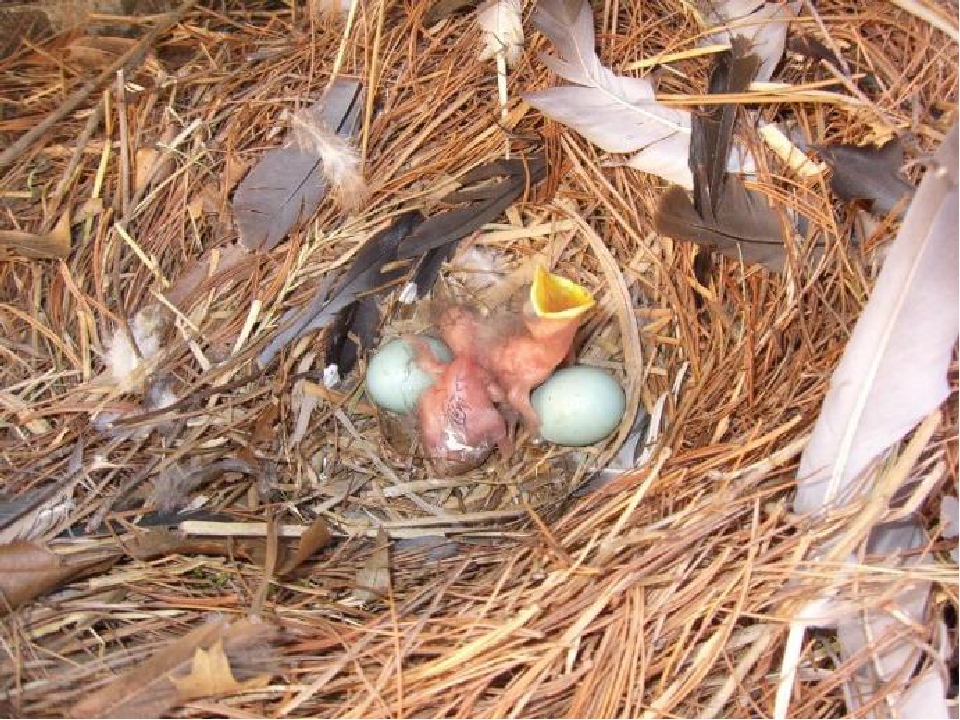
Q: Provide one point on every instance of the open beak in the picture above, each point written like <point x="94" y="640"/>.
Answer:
<point x="557" y="298"/>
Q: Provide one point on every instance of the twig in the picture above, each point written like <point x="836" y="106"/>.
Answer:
<point x="125" y="61"/>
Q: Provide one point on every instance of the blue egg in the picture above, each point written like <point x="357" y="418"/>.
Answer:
<point x="579" y="406"/>
<point x="394" y="380"/>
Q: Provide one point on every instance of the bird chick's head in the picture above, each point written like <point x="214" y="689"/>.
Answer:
<point x="555" y="303"/>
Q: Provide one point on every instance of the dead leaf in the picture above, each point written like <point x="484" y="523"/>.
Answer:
<point x="197" y="274"/>
<point x="144" y="161"/>
<point x="91" y="208"/>
<point x="97" y="51"/>
<point x="50" y="246"/>
<point x="205" y="202"/>
<point x="211" y="675"/>
<point x="233" y="172"/>
<point x="29" y="570"/>
<point x="264" y="430"/>
<point x="158" y="542"/>
<point x="150" y="690"/>
<point x="315" y="538"/>
<point x="373" y="579"/>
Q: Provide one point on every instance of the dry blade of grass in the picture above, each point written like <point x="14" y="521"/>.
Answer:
<point x="666" y="592"/>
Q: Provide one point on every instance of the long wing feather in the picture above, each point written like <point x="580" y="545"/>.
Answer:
<point x="894" y="370"/>
<point x="712" y="130"/>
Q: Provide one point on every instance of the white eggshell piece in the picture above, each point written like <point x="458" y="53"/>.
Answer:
<point x="394" y="380"/>
<point x="579" y="406"/>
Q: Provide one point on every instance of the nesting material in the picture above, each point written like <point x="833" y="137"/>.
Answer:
<point x="654" y="573"/>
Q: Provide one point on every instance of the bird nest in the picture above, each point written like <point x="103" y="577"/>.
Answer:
<point x="140" y="533"/>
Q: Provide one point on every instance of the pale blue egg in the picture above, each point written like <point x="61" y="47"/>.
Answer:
<point x="394" y="380"/>
<point x="579" y="405"/>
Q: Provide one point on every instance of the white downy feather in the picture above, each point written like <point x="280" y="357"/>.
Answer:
<point x="894" y="370"/>
<point x="764" y="24"/>
<point x="342" y="166"/>
<point x="122" y="359"/>
<point x="619" y="114"/>
<point x="502" y="24"/>
<point x="478" y="268"/>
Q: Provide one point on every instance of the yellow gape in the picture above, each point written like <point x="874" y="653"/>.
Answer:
<point x="555" y="297"/>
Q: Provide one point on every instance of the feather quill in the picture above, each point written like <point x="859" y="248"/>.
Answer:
<point x="894" y="370"/>
<point x="501" y="22"/>
<point x="619" y="114"/>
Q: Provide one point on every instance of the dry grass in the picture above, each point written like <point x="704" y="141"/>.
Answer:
<point x="665" y="593"/>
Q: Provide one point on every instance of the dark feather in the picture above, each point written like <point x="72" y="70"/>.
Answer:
<point x="723" y="213"/>
<point x="456" y="224"/>
<point x="363" y="276"/>
<point x="353" y="333"/>
<point x="867" y="173"/>
<point x="747" y="228"/>
<point x="287" y="184"/>
<point x="378" y="251"/>
<point x="427" y="243"/>
<point x="712" y="129"/>
<point x="428" y="269"/>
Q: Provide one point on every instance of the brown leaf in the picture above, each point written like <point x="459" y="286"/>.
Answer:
<point x="211" y="675"/>
<point x="28" y="570"/>
<point x="158" y="542"/>
<point x="143" y="164"/>
<point x="50" y="246"/>
<point x="373" y="579"/>
<point x="444" y="8"/>
<point x="196" y="276"/>
<point x="264" y="430"/>
<point x="151" y="690"/>
<point x="315" y="538"/>
<point x="98" y="51"/>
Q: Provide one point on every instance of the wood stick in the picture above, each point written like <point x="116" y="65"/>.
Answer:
<point x="133" y="56"/>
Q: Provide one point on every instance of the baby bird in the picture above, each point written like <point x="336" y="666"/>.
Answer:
<point x="459" y="425"/>
<point x="521" y="357"/>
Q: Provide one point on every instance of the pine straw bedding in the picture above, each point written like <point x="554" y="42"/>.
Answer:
<point x="665" y="592"/>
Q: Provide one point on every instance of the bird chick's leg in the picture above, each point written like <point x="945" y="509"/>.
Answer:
<point x="424" y="357"/>
<point x="519" y="399"/>
<point x="505" y="445"/>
